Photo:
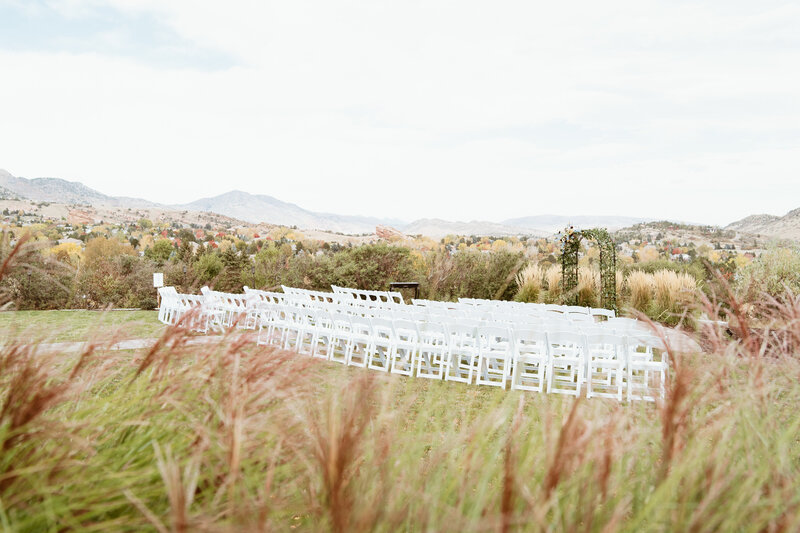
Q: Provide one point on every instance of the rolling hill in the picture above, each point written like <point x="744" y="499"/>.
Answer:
<point x="785" y="227"/>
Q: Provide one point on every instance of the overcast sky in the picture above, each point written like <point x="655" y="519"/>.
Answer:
<point x="688" y="110"/>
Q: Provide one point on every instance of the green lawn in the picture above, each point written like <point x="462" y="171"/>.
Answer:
<point x="77" y="325"/>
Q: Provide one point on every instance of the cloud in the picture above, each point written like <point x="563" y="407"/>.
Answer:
<point x="450" y="109"/>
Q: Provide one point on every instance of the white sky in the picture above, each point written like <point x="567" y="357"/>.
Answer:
<point x="687" y="110"/>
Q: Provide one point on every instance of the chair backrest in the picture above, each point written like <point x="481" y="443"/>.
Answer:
<point x="372" y="297"/>
<point x="599" y="312"/>
<point x="530" y="341"/>
<point x="406" y="330"/>
<point x="361" y="324"/>
<point x="166" y="293"/>
<point x="433" y="334"/>
<point x="495" y="336"/>
<point x="382" y="328"/>
<point x="605" y="343"/>
<point x="577" y="309"/>
<point x="462" y="330"/>
<point x="646" y="341"/>
<point x="565" y="338"/>
<point x="651" y="345"/>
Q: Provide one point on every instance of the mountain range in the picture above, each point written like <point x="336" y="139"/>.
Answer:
<point x="62" y="191"/>
<point x="262" y="208"/>
<point x="257" y="208"/>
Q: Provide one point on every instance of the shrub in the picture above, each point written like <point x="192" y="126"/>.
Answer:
<point x="639" y="290"/>
<point x="588" y="287"/>
<point x="160" y="252"/>
<point x="696" y="268"/>
<point x="120" y="280"/>
<point x="663" y="295"/>
<point x="37" y="281"/>
<point x="373" y="266"/>
<point x="207" y="268"/>
<point x="529" y="281"/>
<point x="775" y="270"/>
<point x="472" y="274"/>
<point x="553" y="280"/>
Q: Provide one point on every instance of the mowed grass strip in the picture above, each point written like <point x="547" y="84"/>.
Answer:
<point x="77" y="325"/>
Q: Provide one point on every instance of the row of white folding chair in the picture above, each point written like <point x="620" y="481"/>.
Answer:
<point x="425" y="313"/>
<point x="257" y="300"/>
<point x="233" y="307"/>
<point x="495" y="313"/>
<point x="168" y="306"/>
<point x="336" y="336"/>
<point x="594" y="311"/>
<point x="471" y="351"/>
<point x="438" y="304"/>
<point x="477" y="302"/>
<point x="312" y="295"/>
<point x="175" y="306"/>
<point x="397" y="345"/>
<point x="344" y="299"/>
<point x="257" y="295"/>
<point x="384" y="297"/>
<point x="609" y="365"/>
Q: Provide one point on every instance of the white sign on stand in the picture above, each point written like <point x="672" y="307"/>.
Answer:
<point x="158" y="280"/>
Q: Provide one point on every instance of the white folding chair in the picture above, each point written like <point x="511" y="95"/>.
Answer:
<point x="605" y="358"/>
<point x="432" y="351"/>
<point x="530" y="360"/>
<point x="295" y="327"/>
<point x="405" y="348"/>
<point x="648" y="364"/>
<point x="462" y="352"/>
<point x="323" y="334"/>
<point x="383" y="344"/>
<point x="361" y="342"/>
<point x="495" y="354"/>
<point x="565" y="362"/>
<point x="268" y="319"/>
<point x="341" y="337"/>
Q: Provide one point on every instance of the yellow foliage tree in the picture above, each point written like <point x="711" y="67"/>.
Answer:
<point x="648" y="253"/>
<point x="67" y="252"/>
<point x="103" y="248"/>
<point x="499" y="244"/>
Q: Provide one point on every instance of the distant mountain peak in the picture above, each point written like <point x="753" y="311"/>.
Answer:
<point x="63" y="191"/>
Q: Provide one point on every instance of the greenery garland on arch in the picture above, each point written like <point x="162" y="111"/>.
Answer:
<point x="570" y="245"/>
